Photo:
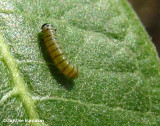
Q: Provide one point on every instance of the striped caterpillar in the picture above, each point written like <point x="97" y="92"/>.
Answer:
<point x="56" y="53"/>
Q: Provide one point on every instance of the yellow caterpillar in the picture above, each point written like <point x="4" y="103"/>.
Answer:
<point x="56" y="53"/>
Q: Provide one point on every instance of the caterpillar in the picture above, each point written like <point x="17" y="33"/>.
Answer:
<point x="57" y="56"/>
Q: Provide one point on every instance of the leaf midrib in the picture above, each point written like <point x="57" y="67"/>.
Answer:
<point x="20" y="85"/>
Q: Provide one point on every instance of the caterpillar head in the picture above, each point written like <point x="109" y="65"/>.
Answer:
<point x="47" y="26"/>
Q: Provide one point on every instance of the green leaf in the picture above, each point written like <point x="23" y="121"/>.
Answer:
<point x="119" y="70"/>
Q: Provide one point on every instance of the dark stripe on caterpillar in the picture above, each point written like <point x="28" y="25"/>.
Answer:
<point x="65" y="68"/>
<point x="57" y="56"/>
<point x="75" y="74"/>
<point x="70" y="71"/>
<point x="54" y="50"/>
<point x="48" y="40"/>
<point x="56" y="53"/>
<point x="46" y="30"/>
<point x="51" y="45"/>
<point x="60" y="62"/>
<point x="47" y="36"/>
<point x="51" y="39"/>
